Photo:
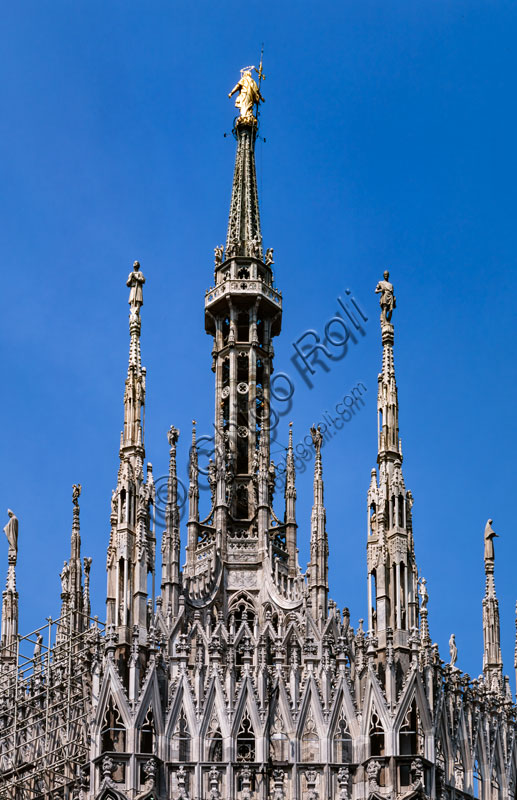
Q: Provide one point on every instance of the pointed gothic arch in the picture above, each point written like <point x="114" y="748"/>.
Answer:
<point x="181" y="739"/>
<point x="411" y="739"/>
<point x="113" y="730"/>
<point x="310" y="744"/>
<point x="246" y="745"/>
<point x="342" y="745"/>
<point x="110" y="793"/>
<point x="213" y="739"/>
<point x="377" y="735"/>
<point x="278" y="738"/>
<point x="147" y="733"/>
<point x="242" y="607"/>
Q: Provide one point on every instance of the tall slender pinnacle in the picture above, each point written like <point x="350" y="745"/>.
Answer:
<point x="134" y="397"/>
<point x="71" y="616"/>
<point x="75" y="570"/>
<point x="392" y="571"/>
<point x="171" y="539"/>
<point x="131" y="547"/>
<point x="492" y="658"/>
<point x="387" y="403"/>
<point x="290" y="505"/>
<point x="318" y="570"/>
<point x="515" y="649"/>
<point x="9" y="629"/>
<point x="193" y="492"/>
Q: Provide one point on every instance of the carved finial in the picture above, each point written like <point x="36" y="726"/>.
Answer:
<point x="387" y="300"/>
<point x="76" y="493"/>
<point x="193" y="433"/>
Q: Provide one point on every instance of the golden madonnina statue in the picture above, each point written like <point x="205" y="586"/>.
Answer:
<point x="249" y="94"/>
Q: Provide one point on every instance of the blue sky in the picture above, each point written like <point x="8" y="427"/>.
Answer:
<point x="390" y="143"/>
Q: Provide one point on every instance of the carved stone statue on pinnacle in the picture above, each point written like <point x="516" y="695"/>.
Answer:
<point x="424" y="595"/>
<point x="489" y="541"/>
<point x="387" y="300"/>
<point x="218" y="255"/>
<point x="76" y="493"/>
<point x="453" y="650"/>
<point x="135" y="282"/>
<point x="317" y="438"/>
<point x="11" y="531"/>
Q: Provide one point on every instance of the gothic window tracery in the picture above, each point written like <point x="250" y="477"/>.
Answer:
<point x="181" y="740"/>
<point x="376" y="736"/>
<point x="246" y="740"/>
<point x="113" y="733"/>
<point x="214" y="740"/>
<point x="243" y="613"/>
<point x="147" y="733"/>
<point x="278" y="740"/>
<point x="310" y="740"/>
<point x="342" y="742"/>
<point x="410" y="736"/>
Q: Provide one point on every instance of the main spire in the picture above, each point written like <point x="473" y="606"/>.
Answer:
<point x="243" y="313"/>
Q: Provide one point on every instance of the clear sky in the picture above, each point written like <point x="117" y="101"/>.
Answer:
<point x="390" y="135"/>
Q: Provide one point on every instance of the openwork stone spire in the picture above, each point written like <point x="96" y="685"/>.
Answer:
<point x="290" y="504"/>
<point x="492" y="658"/>
<point x="9" y="630"/>
<point x="392" y="571"/>
<point x="131" y="549"/>
<point x="244" y="237"/>
<point x="318" y="570"/>
<point x="171" y="538"/>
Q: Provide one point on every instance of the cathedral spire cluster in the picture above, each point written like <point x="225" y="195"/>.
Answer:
<point x="243" y="679"/>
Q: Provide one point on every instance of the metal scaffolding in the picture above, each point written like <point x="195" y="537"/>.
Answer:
<point x="45" y="702"/>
